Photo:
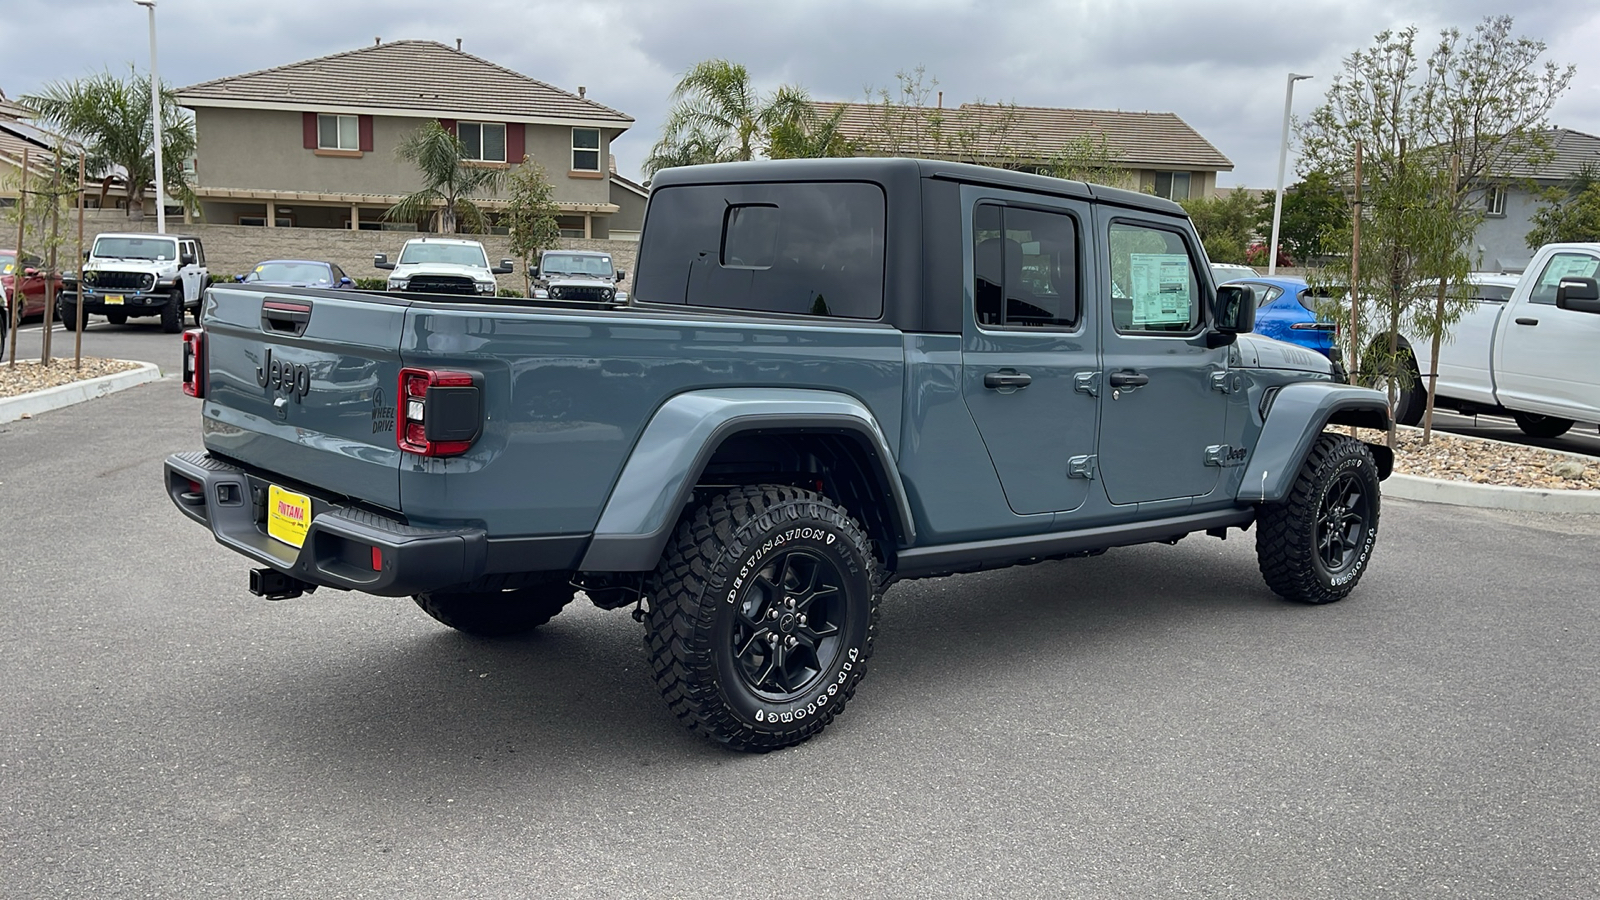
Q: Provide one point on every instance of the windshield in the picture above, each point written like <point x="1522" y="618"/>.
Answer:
<point x="135" y="248"/>
<point x="563" y="264"/>
<point x="290" y="273"/>
<point x="449" y="254"/>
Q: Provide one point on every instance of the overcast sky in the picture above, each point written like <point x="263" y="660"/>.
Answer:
<point x="1220" y="66"/>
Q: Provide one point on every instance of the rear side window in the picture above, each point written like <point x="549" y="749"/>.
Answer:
<point x="811" y="249"/>
<point x="1025" y="268"/>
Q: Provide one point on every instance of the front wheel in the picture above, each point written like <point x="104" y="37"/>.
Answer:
<point x="1314" y="545"/>
<point x="172" y="314"/>
<point x="498" y="613"/>
<point x="1535" y="425"/>
<point x="762" y="615"/>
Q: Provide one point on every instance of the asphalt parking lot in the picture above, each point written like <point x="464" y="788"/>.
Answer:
<point x="1149" y="723"/>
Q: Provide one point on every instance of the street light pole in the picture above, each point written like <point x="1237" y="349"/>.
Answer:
<point x="155" y="117"/>
<point x="1283" y="159"/>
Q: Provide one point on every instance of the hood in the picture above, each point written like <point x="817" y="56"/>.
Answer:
<point x="404" y="269"/>
<point x="1257" y="352"/>
<point x="578" y="278"/>
<point x="113" y="264"/>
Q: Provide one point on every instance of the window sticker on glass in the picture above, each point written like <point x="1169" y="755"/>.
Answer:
<point x="1565" y="266"/>
<point x="1160" y="288"/>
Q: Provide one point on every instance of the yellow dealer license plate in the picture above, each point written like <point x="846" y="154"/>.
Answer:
<point x="113" y="299"/>
<point x="288" y="515"/>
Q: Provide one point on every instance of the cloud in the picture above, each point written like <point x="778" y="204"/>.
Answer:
<point x="1218" y="65"/>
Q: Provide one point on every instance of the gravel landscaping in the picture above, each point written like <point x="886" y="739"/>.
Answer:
<point x="28" y="375"/>
<point x="1447" y="456"/>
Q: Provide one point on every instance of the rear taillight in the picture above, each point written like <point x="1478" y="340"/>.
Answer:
<point x="441" y="413"/>
<point x="194" y="362"/>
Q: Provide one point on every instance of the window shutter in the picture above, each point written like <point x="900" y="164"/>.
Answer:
<point x="308" y="128"/>
<point x="448" y="125"/>
<point x="364" y="133"/>
<point x="516" y="142"/>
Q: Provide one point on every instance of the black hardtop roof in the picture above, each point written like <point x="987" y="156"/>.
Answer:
<point x="887" y="171"/>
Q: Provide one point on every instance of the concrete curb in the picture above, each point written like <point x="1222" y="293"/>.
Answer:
<point x="1485" y="496"/>
<point x="14" y="408"/>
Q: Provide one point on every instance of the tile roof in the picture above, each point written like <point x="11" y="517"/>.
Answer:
<point x="411" y="76"/>
<point x="1138" y="139"/>
<point x="15" y="137"/>
<point x="1573" y="150"/>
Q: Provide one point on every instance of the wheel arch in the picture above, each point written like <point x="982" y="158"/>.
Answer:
<point x="746" y="436"/>
<point x="1297" y="414"/>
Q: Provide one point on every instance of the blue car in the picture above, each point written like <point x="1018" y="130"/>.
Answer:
<point x="1286" y="309"/>
<point x="298" y="273"/>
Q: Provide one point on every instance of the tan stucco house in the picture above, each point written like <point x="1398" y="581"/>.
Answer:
<point x="312" y="143"/>
<point x="1162" y="153"/>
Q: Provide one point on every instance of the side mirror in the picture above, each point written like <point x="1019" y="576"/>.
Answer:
<point x="239" y="278"/>
<point x="1233" y="314"/>
<point x="29" y="272"/>
<point x="1578" y="295"/>
<point x="346" y="281"/>
<point x="621" y="274"/>
<point x="85" y="254"/>
<point x="186" y="260"/>
<point x="381" y="261"/>
<point x="505" y="268"/>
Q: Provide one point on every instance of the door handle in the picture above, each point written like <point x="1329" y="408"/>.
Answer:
<point x="1526" y="321"/>
<point x="1006" y="379"/>
<point x="1127" y="379"/>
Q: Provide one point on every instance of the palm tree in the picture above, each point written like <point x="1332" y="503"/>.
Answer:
<point x="448" y="180"/>
<point x="110" y="117"/>
<point x="718" y="116"/>
<point x="811" y="135"/>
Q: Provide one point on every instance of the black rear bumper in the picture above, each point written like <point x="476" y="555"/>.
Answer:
<point x="338" y="549"/>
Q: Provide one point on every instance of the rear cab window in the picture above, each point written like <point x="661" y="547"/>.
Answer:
<point x="803" y="248"/>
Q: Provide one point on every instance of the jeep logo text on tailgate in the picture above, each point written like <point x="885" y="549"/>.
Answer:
<point x="291" y="378"/>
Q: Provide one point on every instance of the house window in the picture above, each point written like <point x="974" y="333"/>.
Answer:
<point x="483" y="141"/>
<point x="337" y="133"/>
<point x="1494" y="201"/>
<point x="1172" y="185"/>
<point x="586" y="149"/>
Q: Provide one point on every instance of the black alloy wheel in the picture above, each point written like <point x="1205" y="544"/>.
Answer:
<point x="1346" y="509"/>
<point x="789" y="627"/>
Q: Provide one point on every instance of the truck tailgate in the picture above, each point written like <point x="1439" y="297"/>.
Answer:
<point x="302" y="384"/>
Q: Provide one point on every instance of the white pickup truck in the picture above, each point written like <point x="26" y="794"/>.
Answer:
<point x="1534" y="354"/>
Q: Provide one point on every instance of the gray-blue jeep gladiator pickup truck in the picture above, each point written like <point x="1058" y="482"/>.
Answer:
<point x="831" y="374"/>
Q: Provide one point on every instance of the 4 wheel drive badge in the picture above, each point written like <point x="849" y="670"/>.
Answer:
<point x="291" y="378"/>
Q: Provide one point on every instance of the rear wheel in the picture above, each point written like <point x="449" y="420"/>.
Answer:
<point x="1411" y="395"/>
<point x="498" y="613"/>
<point x="762" y="615"/>
<point x="1535" y="425"/>
<point x="1314" y="545"/>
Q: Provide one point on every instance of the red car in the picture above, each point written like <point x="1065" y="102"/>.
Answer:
<point x="32" y="282"/>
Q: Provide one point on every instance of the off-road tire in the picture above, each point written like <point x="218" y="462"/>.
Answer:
<point x="172" y="313"/>
<point x="1537" y="426"/>
<point x="788" y="576"/>
<point x="1331" y="512"/>
<point x="497" y="613"/>
<point x="117" y="318"/>
<point x="1410" y="403"/>
<point x="69" y="316"/>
